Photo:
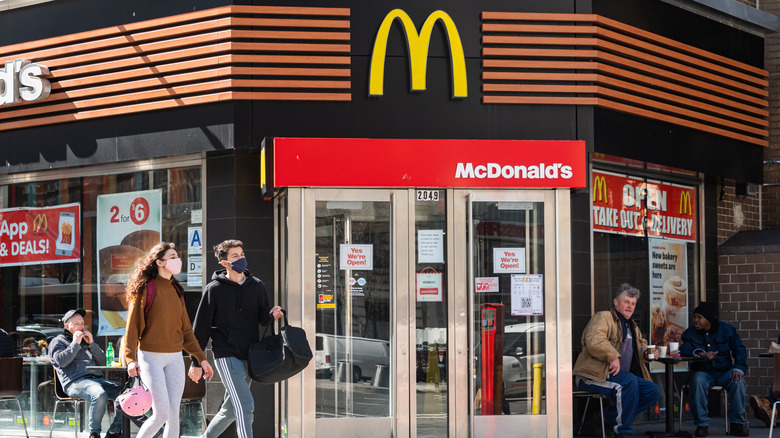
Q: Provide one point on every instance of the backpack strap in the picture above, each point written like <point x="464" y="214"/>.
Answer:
<point x="151" y="290"/>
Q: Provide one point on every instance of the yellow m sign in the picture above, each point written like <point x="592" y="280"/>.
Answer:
<point x="600" y="189"/>
<point x="418" y="52"/>
<point x="685" y="203"/>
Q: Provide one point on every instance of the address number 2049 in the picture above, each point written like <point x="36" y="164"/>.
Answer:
<point x="428" y="195"/>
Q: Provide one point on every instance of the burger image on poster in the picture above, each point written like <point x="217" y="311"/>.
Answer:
<point x="675" y="300"/>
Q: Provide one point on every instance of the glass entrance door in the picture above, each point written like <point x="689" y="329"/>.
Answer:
<point x="404" y="292"/>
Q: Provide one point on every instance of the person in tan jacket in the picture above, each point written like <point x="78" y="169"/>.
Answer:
<point x="613" y="362"/>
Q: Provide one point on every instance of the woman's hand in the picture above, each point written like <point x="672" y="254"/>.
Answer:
<point x="195" y="373"/>
<point x="133" y="369"/>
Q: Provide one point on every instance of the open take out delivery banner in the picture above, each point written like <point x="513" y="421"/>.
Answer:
<point x="40" y="235"/>
<point x="638" y="207"/>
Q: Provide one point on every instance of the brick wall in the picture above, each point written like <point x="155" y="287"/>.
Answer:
<point x="735" y="213"/>
<point x="749" y="300"/>
<point x="771" y="189"/>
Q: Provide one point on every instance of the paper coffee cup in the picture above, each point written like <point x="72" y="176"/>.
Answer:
<point x="651" y="352"/>
<point x="662" y="351"/>
<point x="674" y="348"/>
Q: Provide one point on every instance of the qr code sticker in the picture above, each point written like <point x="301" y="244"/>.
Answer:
<point x="525" y="303"/>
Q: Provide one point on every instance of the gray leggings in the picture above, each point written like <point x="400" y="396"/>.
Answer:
<point x="163" y="374"/>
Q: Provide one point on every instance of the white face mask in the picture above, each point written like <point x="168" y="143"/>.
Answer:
<point x="173" y="265"/>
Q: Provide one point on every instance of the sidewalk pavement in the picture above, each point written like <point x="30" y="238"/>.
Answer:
<point x="717" y="428"/>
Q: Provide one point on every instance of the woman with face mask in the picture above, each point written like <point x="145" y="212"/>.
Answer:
<point x="156" y="335"/>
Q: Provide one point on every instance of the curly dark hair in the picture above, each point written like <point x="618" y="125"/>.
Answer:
<point x="146" y="269"/>
<point x="221" y="249"/>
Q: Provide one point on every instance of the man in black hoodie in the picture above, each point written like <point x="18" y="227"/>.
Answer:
<point x="233" y="304"/>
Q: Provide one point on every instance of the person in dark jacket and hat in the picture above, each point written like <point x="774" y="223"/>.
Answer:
<point x="725" y="365"/>
<point x="230" y="311"/>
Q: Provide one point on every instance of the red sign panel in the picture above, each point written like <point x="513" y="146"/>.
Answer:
<point x="360" y="162"/>
<point x="40" y="235"/>
<point x="634" y="206"/>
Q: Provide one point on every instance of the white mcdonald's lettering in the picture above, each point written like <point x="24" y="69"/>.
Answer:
<point x="418" y="52"/>
<point x="20" y="80"/>
<point x="495" y="170"/>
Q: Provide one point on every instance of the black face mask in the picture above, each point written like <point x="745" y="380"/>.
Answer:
<point x="239" y="265"/>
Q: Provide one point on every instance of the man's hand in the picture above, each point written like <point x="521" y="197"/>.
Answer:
<point x="133" y="369"/>
<point x="614" y="366"/>
<point x="208" y="372"/>
<point x="709" y="355"/>
<point x="88" y="336"/>
<point x="78" y="336"/>
<point x="276" y="312"/>
<point x="736" y="376"/>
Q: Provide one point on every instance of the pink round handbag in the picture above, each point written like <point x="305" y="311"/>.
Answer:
<point x="134" y="400"/>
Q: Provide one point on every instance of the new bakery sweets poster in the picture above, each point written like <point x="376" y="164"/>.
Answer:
<point x="668" y="292"/>
<point x="128" y="226"/>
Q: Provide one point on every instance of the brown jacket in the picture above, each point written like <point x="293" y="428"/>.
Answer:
<point x="601" y="343"/>
<point x="166" y="329"/>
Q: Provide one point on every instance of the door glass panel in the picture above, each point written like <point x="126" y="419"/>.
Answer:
<point x="353" y="252"/>
<point x="509" y="323"/>
<point x="431" y="312"/>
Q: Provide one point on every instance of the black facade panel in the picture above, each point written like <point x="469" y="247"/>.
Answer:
<point x="628" y="136"/>
<point x="73" y="16"/>
<point x="236" y="211"/>
<point x="122" y="138"/>
<point x="686" y="27"/>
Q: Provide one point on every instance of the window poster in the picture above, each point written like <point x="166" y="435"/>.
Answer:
<point x="528" y="295"/>
<point x="356" y="257"/>
<point x="429" y="286"/>
<point x="40" y="235"/>
<point x="508" y="260"/>
<point x="430" y="246"/>
<point x="668" y="293"/>
<point x="128" y="226"/>
<point x="325" y="294"/>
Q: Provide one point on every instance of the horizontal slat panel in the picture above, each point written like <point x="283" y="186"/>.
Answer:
<point x="558" y="58"/>
<point x="234" y="52"/>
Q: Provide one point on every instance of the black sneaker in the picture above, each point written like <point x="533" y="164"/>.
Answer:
<point x="702" y="431"/>
<point x="94" y="435"/>
<point x="739" y="429"/>
<point x="114" y="434"/>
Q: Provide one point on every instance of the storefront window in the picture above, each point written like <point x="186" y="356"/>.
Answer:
<point x="646" y="234"/>
<point x="38" y="284"/>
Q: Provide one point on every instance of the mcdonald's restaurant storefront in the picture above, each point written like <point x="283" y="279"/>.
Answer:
<point x="441" y="195"/>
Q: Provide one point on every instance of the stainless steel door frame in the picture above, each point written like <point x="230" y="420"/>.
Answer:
<point x="557" y="307"/>
<point x="301" y="263"/>
<point x="300" y="266"/>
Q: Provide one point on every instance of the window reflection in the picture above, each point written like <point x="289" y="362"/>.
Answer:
<point x="35" y="297"/>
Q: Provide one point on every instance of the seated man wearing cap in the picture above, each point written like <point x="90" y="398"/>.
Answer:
<point x="725" y="365"/>
<point x="71" y="353"/>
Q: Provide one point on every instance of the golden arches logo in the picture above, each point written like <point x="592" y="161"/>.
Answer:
<point x="600" y="189"/>
<point x="418" y="52"/>
<point x="40" y="223"/>
<point x="685" y="203"/>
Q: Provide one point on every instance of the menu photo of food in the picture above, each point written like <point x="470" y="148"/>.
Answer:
<point x="668" y="321"/>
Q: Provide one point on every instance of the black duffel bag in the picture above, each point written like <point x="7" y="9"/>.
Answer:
<point x="279" y="356"/>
